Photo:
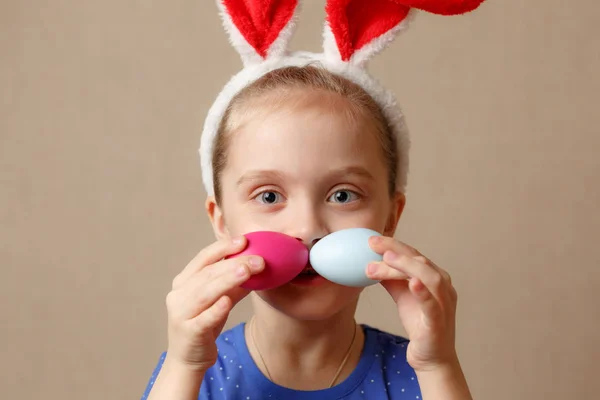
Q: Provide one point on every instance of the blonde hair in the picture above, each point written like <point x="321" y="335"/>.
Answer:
<point x="280" y="82"/>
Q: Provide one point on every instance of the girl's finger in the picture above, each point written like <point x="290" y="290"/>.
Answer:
<point x="396" y="288"/>
<point x="212" y="317"/>
<point x="210" y="255"/>
<point x="380" y="244"/>
<point x="208" y="285"/>
<point x="430" y="307"/>
<point x="424" y="272"/>
<point x="382" y="272"/>
<point x="253" y="264"/>
<point x="443" y="272"/>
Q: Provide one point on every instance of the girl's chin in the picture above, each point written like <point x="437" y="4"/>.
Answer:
<point x="311" y="300"/>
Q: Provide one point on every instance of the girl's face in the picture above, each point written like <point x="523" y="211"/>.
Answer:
<point x="306" y="172"/>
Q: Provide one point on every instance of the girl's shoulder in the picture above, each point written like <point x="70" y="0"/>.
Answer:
<point x="386" y="343"/>
<point x="387" y="350"/>
<point x="383" y="336"/>
<point x="390" y="375"/>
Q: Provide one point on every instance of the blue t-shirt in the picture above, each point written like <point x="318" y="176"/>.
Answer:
<point x="382" y="373"/>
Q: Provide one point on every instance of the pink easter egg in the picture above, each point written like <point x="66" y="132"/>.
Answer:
<point x="285" y="257"/>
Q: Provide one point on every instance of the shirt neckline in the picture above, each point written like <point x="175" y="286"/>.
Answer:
<point x="266" y="387"/>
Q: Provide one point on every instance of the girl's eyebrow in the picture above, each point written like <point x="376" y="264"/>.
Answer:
<point x="275" y="175"/>
<point x="260" y="174"/>
<point x="358" y="171"/>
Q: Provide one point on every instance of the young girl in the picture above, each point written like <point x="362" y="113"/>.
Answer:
<point x="307" y="145"/>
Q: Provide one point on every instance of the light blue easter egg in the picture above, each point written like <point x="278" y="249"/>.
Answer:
<point x="342" y="257"/>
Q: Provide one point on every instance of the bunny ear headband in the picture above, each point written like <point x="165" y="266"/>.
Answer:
<point x="355" y="31"/>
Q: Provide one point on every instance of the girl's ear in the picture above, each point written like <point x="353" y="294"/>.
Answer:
<point x="217" y="219"/>
<point x="398" y="203"/>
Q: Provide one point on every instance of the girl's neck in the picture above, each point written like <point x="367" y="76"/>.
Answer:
<point x="303" y="355"/>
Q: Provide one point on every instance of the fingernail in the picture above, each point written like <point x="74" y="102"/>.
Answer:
<point x="376" y="239"/>
<point x="372" y="268"/>
<point x="241" y="271"/>
<point x="255" y="263"/>
<point x="237" y="240"/>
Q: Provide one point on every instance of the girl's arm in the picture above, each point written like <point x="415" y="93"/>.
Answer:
<point x="446" y="383"/>
<point x="176" y="382"/>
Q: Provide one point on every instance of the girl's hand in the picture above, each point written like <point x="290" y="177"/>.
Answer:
<point x="203" y="294"/>
<point x="425" y="298"/>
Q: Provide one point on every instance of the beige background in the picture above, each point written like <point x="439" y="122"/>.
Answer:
<point x="101" y="202"/>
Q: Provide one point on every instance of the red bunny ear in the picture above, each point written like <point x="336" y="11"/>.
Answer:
<point x="355" y="23"/>
<point x="361" y="28"/>
<point x="254" y="26"/>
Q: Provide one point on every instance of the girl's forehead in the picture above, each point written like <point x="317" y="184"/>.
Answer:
<point x="278" y="102"/>
<point x="305" y="130"/>
<point x="308" y="141"/>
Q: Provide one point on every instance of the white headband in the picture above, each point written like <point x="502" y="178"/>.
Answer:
<point x="356" y="30"/>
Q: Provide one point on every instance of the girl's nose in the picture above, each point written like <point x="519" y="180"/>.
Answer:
<point x="310" y="235"/>
<point x="311" y="244"/>
<point x="307" y="224"/>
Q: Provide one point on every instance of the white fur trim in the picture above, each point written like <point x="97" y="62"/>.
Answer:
<point x="330" y="47"/>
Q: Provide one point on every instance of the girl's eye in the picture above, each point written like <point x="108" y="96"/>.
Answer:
<point x="268" y="197"/>
<point x="343" y="196"/>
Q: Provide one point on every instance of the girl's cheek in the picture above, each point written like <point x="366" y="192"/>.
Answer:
<point x="249" y="219"/>
<point x="365" y="218"/>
